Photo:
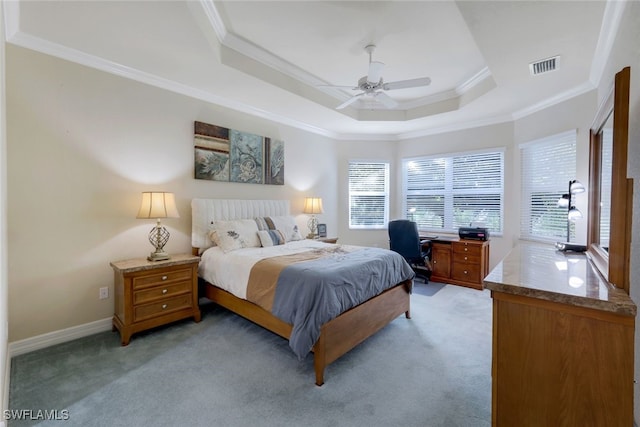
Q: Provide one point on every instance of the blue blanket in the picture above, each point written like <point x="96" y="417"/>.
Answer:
<point x="311" y="293"/>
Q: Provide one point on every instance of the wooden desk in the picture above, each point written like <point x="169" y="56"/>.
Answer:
<point x="459" y="262"/>
<point x="563" y="350"/>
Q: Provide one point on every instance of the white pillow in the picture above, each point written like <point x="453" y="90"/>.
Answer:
<point x="237" y="234"/>
<point x="287" y="225"/>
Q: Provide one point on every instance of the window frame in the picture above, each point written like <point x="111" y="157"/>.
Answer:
<point x="385" y="193"/>
<point x="525" y="223"/>
<point x="449" y="191"/>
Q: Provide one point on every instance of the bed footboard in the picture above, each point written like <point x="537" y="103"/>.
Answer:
<point x="339" y="335"/>
<point x="352" y="327"/>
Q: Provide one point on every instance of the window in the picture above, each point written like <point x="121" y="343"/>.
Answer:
<point x="443" y="193"/>
<point x="547" y="167"/>
<point x="368" y="194"/>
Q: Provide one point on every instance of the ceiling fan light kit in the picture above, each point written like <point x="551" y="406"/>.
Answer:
<point x="374" y="86"/>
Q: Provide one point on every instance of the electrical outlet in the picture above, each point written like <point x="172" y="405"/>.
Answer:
<point x="104" y="293"/>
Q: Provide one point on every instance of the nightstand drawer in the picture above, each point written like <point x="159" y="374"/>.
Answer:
<point x="166" y="291"/>
<point x="168" y="305"/>
<point x="159" y="279"/>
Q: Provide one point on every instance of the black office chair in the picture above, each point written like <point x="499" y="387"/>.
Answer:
<point x="405" y="240"/>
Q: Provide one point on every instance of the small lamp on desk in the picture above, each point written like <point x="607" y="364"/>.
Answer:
<point x="312" y="206"/>
<point x="158" y="205"/>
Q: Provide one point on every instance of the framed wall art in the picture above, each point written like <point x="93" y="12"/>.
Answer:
<point x="222" y="154"/>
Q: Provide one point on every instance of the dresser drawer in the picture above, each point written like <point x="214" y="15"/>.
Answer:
<point x="161" y="278"/>
<point x="167" y="290"/>
<point x="466" y="272"/>
<point x="146" y="311"/>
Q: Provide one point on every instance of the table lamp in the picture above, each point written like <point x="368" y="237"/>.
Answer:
<point x="158" y="205"/>
<point x="312" y="206"/>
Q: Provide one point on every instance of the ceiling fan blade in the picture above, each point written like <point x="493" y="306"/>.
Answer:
<point x="375" y="71"/>
<point x="405" y="84"/>
<point x="349" y="101"/>
<point x="338" y="87"/>
<point x="386" y="100"/>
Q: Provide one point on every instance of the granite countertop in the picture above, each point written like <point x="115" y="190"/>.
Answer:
<point x="141" y="264"/>
<point x="538" y="270"/>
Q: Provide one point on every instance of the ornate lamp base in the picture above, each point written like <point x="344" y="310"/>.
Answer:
<point x="158" y="237"/>
<point x="313" y="227"/>
<point x="158" y="256"/>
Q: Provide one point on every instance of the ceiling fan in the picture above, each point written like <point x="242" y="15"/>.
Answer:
<point x="372" y="84"/>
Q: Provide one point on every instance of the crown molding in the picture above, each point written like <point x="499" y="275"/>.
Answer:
<point x="454" y="127"/>
<point x="13" y="35"/>
<point x="549" y="102"/>
<point x="608" y="31"/>
<point x="73" y="55"/>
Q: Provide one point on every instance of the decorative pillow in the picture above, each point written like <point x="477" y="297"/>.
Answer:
<point x="271" y="238"/>
<point x="286" y="224"/>
<point x="262" y="224"/>
<point x="238" y="234"/>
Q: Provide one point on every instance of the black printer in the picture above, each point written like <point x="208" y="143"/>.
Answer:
<point x="473" y="233"/>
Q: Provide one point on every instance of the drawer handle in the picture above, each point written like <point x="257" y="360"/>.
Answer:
<point x="465" y="258"/>
<point x="164" y="291"/>
<point x="164" y="306"/>
<point x="465" y="272"/>
<point x="164" y="277"/>
<point x="466" y="249"/>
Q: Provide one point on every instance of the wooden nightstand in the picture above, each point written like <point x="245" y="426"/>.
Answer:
<point x="149" y="294"/>
<point x="327" y="239"/>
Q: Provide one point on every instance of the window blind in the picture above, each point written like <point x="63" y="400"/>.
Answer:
<point x="443" y="193"/>
<point x="547" y="167"/>
<point x="368" y="194"/>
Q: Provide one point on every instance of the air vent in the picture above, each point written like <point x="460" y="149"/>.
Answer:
<point x="544" y="65"/>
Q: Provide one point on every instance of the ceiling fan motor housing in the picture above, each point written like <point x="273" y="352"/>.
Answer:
<point x="366" y="86"/>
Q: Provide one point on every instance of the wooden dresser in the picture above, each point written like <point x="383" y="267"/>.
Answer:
<point x="149" y="294"/>
<point x="563" y="350"/>
<point x="459" y="262"/>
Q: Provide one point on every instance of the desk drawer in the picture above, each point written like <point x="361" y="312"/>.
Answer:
<point x="466" y="272"/>
<point x="466" y="249"/>
<point x="147" y="311"/>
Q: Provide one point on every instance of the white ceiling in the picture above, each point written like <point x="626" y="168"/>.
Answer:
<point x="268" y="58"/>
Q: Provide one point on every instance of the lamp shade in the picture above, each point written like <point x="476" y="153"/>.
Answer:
<point x="313" y="205"/>
<point x="158" y="205"/>
<point x="576" y="187"/>
<point x="574" y="214"/>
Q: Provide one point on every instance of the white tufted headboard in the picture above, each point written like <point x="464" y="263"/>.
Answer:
<point x="205" y="211"/>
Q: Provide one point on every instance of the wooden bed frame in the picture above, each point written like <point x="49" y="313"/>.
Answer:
<point x="337" y="336"/>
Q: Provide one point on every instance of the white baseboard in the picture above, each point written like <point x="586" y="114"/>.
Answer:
<point x="27" y="345"/>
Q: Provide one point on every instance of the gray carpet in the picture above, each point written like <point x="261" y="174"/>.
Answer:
<point x="431" y="370"/>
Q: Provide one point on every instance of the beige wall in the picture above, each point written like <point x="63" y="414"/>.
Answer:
<point x="82" y="145"/>
<point x="626" y="52"/>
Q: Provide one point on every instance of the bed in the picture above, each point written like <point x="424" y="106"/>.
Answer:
<point x="348" y="292"/>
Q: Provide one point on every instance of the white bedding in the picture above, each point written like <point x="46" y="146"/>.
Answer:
<point x="230" y="271"/>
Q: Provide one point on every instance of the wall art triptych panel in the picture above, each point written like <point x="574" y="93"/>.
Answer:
<point x="230" y="155"/>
